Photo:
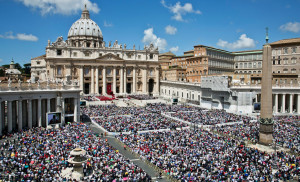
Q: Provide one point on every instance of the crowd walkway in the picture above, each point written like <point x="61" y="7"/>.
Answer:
<point x="150" y="170"/>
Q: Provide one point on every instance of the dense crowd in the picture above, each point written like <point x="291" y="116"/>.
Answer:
<point x="203" y="156"/>
<point x="286" y="132"/>
<point x="41" y="155"/>
<point x="141" y="122"/>
<point x="141" y="97"/>
<point x="90" y="98"/>
<point x="125" y="119"/>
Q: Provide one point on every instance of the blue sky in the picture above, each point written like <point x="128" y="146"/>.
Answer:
<point x="176" y="25"/>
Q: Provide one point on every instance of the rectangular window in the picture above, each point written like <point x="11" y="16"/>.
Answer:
<point x="59" y="70"/>
<point x="139" y="56"/>
<point x="86" y="54"/>
<point x="58" y="52"/>
<point x="74" y="54"/>
<point x="294" y="50"/>
<point x="151" y="56"/>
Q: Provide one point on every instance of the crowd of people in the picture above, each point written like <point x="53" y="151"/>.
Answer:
<point x="204" y="156"/>
<point x="42" y="155"/>
<point x="90" y="98"/>
<point x="133" y="119"/>
<point x="141" y="97"/>
<point x="286" y="132"/>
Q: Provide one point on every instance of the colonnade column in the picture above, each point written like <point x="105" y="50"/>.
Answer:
<point x="134" y="79"/>
<point x="298" y="103"/>
<point x="81" y="78"/>
<point x="291" y="103"/>
<point x="92" y="80"/>
<point x="20" y="115"/>
<point x="9" y="116"/>
<point x="39" y="112"/>
<point x="3" y="114"/>
<point x="75" y="110"/>
<point x="121" y="80"/>
<point x="114" y="80"/>
<point x="283" y="103"/>
<point x="157" y="80"/>
<point x="1" y="119"/>
<point x="48" y="105"/>
<point x="24" y="113"/>
<point x="125" y="80"/>
<point x="63" y="111"/>
<point x="97" y="81"/>
<point x="276" y="103"/>
<point x="29" y="106"/>
<point x="104" y="81"/>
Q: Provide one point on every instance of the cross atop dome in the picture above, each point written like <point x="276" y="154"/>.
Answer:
<point x="85" y="13"/>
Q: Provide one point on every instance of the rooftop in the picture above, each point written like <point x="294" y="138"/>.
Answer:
<point x="286" y="41"/>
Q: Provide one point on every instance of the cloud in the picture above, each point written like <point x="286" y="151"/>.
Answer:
<point x="106" y="24"/>
<point x="291" y="27"/>
<point x="174" y="49"/>
<point x="241" y="43"/>
<point x="19" y="36"/>
<point x="149" y="38"/>
<point x="171" y="30"/>
<point x="1" y="60"/>
<point x="65" y="7"/>
<point x="178" y="10"/>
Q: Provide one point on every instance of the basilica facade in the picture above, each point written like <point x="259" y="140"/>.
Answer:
<point x="98" y="67"/>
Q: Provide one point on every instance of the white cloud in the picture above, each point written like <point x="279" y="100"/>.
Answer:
<point x="171" y="30"/>
<point x="241" y="43"/>
<point x="174" y="49"/>
<point x="106" y="24"/>
<point x="65" y="7"/>
<point x="19" y="36"/>
<point x="291" y="27"/>
<point x="178" y="10"/>
<point x="149" y="38"/>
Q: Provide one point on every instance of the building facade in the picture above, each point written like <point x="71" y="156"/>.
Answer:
<point x="100" y="68"/>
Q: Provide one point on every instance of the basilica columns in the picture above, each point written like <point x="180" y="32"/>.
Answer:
<point x="114" y="80"/>
<point x="104" y="81"/>
<point x="134" y="80"/>
<point x="125" y="80"/>
<point x="81" y="78"/>
<point x="144" y="75"/>
<point x="121" y="80"/>
<point x="92" y="81"/>
<point x="97" y="80"/>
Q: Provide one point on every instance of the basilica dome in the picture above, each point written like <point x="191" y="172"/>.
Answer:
<point x="85" y="27"/>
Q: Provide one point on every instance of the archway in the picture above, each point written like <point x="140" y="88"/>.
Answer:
<point x="128" y="88"/>
<point x="151" y="85"/>
<point x="86" y="88"/>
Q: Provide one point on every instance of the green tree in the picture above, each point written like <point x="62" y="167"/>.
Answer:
<point x="27" y="68"/>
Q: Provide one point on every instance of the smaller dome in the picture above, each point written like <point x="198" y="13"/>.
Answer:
<point x="85" y="27"/>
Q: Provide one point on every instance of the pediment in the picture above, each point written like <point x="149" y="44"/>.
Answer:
<point x="110" y="56"/>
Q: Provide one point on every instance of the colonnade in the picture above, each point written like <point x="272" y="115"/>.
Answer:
<point x="16" y="115"/>
<point x="284" y="102"/>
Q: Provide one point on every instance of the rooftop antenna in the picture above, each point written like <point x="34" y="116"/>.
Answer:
<point x="267" y="34"/>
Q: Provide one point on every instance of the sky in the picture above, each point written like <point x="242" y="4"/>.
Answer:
<point x="172" y="25"/>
